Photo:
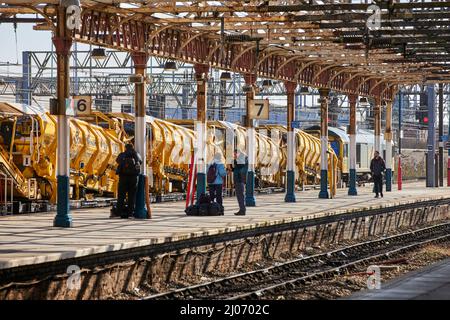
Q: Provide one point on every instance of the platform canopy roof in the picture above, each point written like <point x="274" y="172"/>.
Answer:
<point x="349" y="46"/>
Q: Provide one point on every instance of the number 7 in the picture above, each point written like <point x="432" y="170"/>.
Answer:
<point x="260" y="110"/>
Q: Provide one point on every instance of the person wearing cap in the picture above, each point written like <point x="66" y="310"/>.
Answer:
<point x="240" y="169"/>
<point x="128" y="169"/>
<point x="217" y="168"/>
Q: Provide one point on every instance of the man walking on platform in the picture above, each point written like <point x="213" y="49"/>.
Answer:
<point x="240" y="169"/>
<point x="128" y="169"/>
<point x="377" y="167"/>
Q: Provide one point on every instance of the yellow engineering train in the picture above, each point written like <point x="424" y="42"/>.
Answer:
<point x="28" y="152"/>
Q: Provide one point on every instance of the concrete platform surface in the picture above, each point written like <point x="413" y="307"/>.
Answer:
<point x="430" y="283"/>
<point x="31" y="239"/>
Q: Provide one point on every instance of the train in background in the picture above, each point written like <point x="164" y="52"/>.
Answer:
<point x="28" y="139"/>
<point x="340" y="140"/>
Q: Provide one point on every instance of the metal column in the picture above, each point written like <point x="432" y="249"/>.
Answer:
<point x="352" y="133"/>
<point x="377" y="126"/>
<point x="399" y="168"/>
<point x="25" y="94"/>
<point x="388" y="139"/>
<point x="140" y="131"/>
<point x="324" y="143"/>
<point x="62" y="41"/>
<point x="291" y="145"/>
<point x="431" y="143"/>
<point x="201" y="75"/>
<point x="250" y="200"/>
<point x="441" y="135"/>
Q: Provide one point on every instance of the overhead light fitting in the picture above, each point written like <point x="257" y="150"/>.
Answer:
<point x="247" y="88"/>
<point x="170" y="66"/>
<point x="68" y="3"/>
<point x="136" y="79"/>
<point x="304" y="90"/>
<point x="225" y="76"/>
<point x="98" y="54"/>
<point x="267" y="83"/>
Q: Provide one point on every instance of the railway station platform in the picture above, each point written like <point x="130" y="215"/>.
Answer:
<point x="31" y="248"/>
<point x="430" y="283"/>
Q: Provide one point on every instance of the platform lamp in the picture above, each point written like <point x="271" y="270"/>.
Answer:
<point x="170" y="66"/>
<point x="98" y="53"/>
<point x="267" y="84"/>
<point x="363" y="100"/>
<point x="67" y="3"/>
<point x="225" y="76"/>
<point x="304" y="90"/>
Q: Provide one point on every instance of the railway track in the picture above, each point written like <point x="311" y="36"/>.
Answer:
<point x="292" y="274"/>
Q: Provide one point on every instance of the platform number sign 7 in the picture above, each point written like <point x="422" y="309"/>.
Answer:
<point x="260" y="109"/>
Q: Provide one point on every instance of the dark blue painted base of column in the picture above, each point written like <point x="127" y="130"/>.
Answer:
<point x="250" y="200"/>
<point x="201" y="184"/>
<point x="388" y="179"/>
<point x="140" y="211"/>
<point x="323" y="194"/>
<point x="63" y="218"/>
<point x="352" y="183"/>
<point x="290" y="187"/>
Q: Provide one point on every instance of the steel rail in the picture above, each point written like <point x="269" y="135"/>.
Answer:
<point x="272" y="275"/>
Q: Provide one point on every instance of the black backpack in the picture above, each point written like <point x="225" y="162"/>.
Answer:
<point x="212" y="173"/>
<point x="130" y="166"/>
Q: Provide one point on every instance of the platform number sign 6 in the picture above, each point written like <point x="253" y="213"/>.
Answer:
<point x="82" y="105"/>
<point x="73" y="17"/>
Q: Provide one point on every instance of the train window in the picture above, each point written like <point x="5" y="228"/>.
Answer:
<point x="358" y="154"/>
<point x="346" y="150"/>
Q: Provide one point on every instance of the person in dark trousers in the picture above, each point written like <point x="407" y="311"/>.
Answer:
<point x="128" y="169"/>
<point x="240" y="169"/>
<point x="215" y="187"/>
<point x="377" y="167"/>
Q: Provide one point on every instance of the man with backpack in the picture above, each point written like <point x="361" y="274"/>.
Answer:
<point x="215" y="174"/>
<point x="128" y="169"/>
<point x="240" y="169"/>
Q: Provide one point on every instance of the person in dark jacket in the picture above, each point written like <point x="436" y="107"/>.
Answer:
<point x="240" y="169"/>
<point x="377" y="167"/>
<point x="128" y="170"/>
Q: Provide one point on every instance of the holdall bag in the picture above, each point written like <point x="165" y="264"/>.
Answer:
<point x="203" y="209"/>
<point x="204" y="198"/>
<point x="216" y="209"/>
<point x="192" y="210"/>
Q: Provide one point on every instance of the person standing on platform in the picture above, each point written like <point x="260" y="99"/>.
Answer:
<point x="128" y="169"/>
<point x="377" y="167"/>
<point x="215" y="174"/>
<point x="240" y="169"/>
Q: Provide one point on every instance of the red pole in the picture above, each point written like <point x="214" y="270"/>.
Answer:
<point x="189" y="186"/>
<point x="399" y="173"/>
<point x="448" y="172"/>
